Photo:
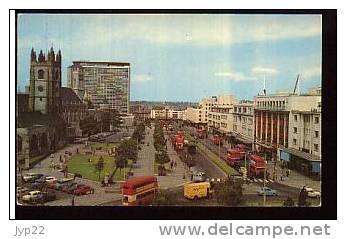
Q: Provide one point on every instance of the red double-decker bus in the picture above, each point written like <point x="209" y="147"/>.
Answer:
<point x="139" y="191"/>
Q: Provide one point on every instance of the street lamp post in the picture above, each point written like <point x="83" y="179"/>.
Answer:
<point x="219" y="148"/>
<point x="245" y="170"/>
<point x="264" y="180"/>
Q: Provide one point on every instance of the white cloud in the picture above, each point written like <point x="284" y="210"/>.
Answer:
<point x="264" y="70"/>
<point x="141" y="78"/>
<point x="253" y="74"/>
<point x="311" y="72"/>
<point x="198" y="29"/>
<point x="233" y="76"/>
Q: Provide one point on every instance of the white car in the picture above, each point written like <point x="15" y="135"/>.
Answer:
<point x="30" y="176"/>
<point x="50" y="179"/>
<point x="22" y="191"/>
<point x="31" y="196"/>
<point x="313" y="193"/>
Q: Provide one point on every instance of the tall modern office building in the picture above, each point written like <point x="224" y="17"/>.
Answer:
<point x="105" y="84"/>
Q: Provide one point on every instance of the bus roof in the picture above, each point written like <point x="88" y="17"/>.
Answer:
<point x="139" y="180"/>
<point x="256" y="157"/>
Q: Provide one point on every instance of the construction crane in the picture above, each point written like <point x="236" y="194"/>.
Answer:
<point x="295" y="86"/>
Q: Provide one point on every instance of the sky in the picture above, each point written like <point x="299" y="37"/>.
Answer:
<point x="183" y="57"/>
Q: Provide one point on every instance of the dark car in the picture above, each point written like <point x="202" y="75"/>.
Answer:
<point x="38" y="185"/>
<point x="46" y="197"/>
<point x="42" y="179"/>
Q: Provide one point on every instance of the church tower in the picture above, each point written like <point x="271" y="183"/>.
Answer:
<point x="45" y="82"/>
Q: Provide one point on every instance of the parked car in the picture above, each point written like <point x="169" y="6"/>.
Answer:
<point x="38" y="185"/>
<point x="60" y="183"/>
<point x="32" y="196"/>
<point x="45" y="197"/>
<point x="50" y="179"/>
<point x="42" y="179"/>
<point x="72" y="188"/>
<point x="267" y="191"/>
<point x="199" y="177"/>
<point x="313" y="193"/>
<point x="69" y="188"/>
<point x="31" y="177"/>
<point x="83" y="190"/>
<point x="21" y="191"/>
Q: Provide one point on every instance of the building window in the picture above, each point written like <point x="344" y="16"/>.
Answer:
<point x="317" y="120"/>
<point x="40" y="74"/>
<point x="40" y="98"/>
<point x="316" y="147"/>
<point x="295" y="130"/>
<point x="316" y="134"/>
<point x="295" y="118"/>
<point x="249" y="132"/>
<point x="294" y="141"/>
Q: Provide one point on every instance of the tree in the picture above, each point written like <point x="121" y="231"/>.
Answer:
<point x="121" y="163"/>
<point x="289" y="202"/>
<point x="138" y="134"/>
<point x="99" y="166"/>
<point x="115" y="120"/>
<point x="230" y="192"/>
<point x="191" y="149"/>
<point x="161" y="158"/>
<point x="165" y="198"/>
<point x="128" y="150"/>
<point x="88" y="125"/>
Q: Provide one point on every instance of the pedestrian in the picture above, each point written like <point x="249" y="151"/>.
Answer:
<point x="281" y="178"/>
<point x="72" y="203"/>
<point x="191" y="177"/>
<point x="171" y="164"/>
<point x="287" y="173"/>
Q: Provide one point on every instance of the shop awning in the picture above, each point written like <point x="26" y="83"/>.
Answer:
<point x="298" y="153"/>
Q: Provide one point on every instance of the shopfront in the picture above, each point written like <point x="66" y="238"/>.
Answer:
<point x="307" y="164"/>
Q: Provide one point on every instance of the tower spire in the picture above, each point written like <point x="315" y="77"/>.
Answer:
<point x="33" y="55"/>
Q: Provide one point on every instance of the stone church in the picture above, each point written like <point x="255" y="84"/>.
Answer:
<point x="41" y="122"/>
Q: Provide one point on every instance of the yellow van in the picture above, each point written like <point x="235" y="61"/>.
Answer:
<point x="197" y="190"/>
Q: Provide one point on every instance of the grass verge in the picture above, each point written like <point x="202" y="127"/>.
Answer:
<point x="80" y="164"/>
<point x="213" y="157"/>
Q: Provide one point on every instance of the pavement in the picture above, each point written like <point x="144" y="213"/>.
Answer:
<point x="294" y="179"/>
<point x="146" y="160"/>
<point x="146" y="156"/>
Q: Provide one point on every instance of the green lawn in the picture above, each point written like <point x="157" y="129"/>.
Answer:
<point x="79" y="164"/>
<point x="213" y="157"/>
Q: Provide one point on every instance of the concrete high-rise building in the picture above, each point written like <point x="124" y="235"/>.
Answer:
<point x="104" y="84"/>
